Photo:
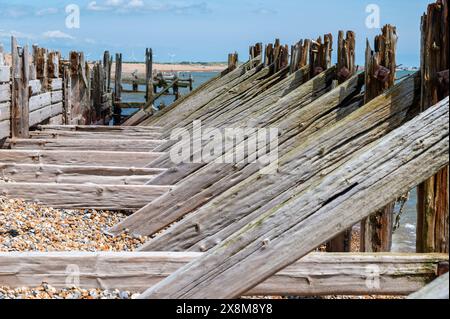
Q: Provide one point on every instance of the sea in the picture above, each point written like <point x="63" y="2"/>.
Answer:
<point x="404" y="238"/>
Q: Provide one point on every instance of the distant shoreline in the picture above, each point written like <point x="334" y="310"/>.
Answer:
<point x="139" y="68"/>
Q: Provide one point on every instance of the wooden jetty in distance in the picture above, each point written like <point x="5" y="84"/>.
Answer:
<point x="349" y="144"/>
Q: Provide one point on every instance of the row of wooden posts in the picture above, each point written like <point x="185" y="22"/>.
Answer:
<point x="41" y="87"/>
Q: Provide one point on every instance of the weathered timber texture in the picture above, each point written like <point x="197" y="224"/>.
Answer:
<point x="433" y="195"/>
<point x="371" y="179"/>
<point x="79" y="158"/>
<point x="19" y="89"/>
<point x="48" y="134"/>
<point x="89" y="196"/>
<point x="309" y="155"/>
<point x="134" y="145"/>
<point x="438" y="289"/>
<point x="226" y="82"/>
<point x="346" y="68"/>
<point x="102" y="129"/>
<point x="376" y="230"/>
<point x="315" y="274"/>
<point x="62" y="174"/>
<point x="208" y="182"/>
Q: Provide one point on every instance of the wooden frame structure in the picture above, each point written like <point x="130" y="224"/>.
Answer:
<point x="349" y="144"/>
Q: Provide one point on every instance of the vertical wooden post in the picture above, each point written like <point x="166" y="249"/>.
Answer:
<point x="345" y="69"/>
<point x="176" y="90"/>
<point x="320" y="55"/>
<point x="433" y="194"/>
<point x="20" y="119"/>
<point x="117" y="117"/>
<point x="148" y="76"/>
<point x="232" y="61"/>
<point x="67" y="89"/>
<point x="107" y="63"/>
<point x="299" y="55"/>
<point x="376" y="230"/>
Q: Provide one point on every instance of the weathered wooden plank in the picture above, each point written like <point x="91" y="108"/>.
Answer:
<point x="35" y="87"/>
<point x="216" y="88"/>
<point x="5" y="93"/>
<point x="86" y="144"/>
<point x="79" y="158"/>
<point x="438" y="289"/>
<point x="5" y="73"/>
<point x="138" y="117"/>
<point x="432" y="233"/>
<point x="100" y="128"/>
<point x="372" y="178"/>
<point x="212" y="180"/>
<point x="57" y="96"/>
<point x="45" y="113"/>
<point x="5" y="129"/>
<point x="5" y="111"/>
<point x="314" y="275"/>
<point x="45" y="134"/>
<point x="39" y="101"/>
<point x="89" y="196"/>
<point x="55" y="84"/>
<point x="62" y="174"/>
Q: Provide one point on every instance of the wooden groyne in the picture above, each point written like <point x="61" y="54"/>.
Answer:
<point x="349" y="143"/>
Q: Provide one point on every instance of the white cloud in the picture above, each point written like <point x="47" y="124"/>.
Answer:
<point x="114" y="3"/>
<point x="124" y="6"/>
<point x="46" y="11"/>
<point x="90" y="41"/>
<point x="93" y="6"/>
<point x="135" y="4"/>
<point x="57" y="34"/>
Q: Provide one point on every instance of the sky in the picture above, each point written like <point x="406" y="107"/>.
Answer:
<point x="203" y="30"/>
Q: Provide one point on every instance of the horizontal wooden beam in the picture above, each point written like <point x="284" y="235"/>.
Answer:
<point x="45" y="113"/>
<point x="89" y="196"/>
<point x="314" y="275"/>
<point x="48" y="134"/>
<point x="64" y="174"/>
<point x="100" y="128"/>
<point x="275" y="238"/>
<point x="86" y="144"/>
<point x="79" y="158"/>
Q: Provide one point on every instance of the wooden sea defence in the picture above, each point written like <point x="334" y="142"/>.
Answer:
<point x="348" y="143"/>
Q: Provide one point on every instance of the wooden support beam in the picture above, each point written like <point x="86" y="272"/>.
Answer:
<point x="117" y="89"/>
<point x="282" y="235"/>
<point x="433" y="194"/>
<point x="79" y="158"/>
<point x="102" y="128"/>
<point x="20" y="92"/>
<point x="87" y="196"/>
<point x="346" y="68"/>
<point x="134" y="145"/>
<point x="232" y="61"/>
<point x="438" y="289"/>
<point x="48" y="134"/>
<point x="149" y="76"/>
<point x="376" y="230"/>
<point x="65" y="174"/>
<point x="314" y="275"/>
<point x="204" y="184"/>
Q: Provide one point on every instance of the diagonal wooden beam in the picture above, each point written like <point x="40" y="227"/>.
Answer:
<point x="314" y="275"/>
<point x="277" y="238"/>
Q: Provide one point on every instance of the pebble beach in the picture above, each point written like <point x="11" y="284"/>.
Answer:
<point x="27" y="227"/>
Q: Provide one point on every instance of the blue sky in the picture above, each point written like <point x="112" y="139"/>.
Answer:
<point x="202" y="30"/>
